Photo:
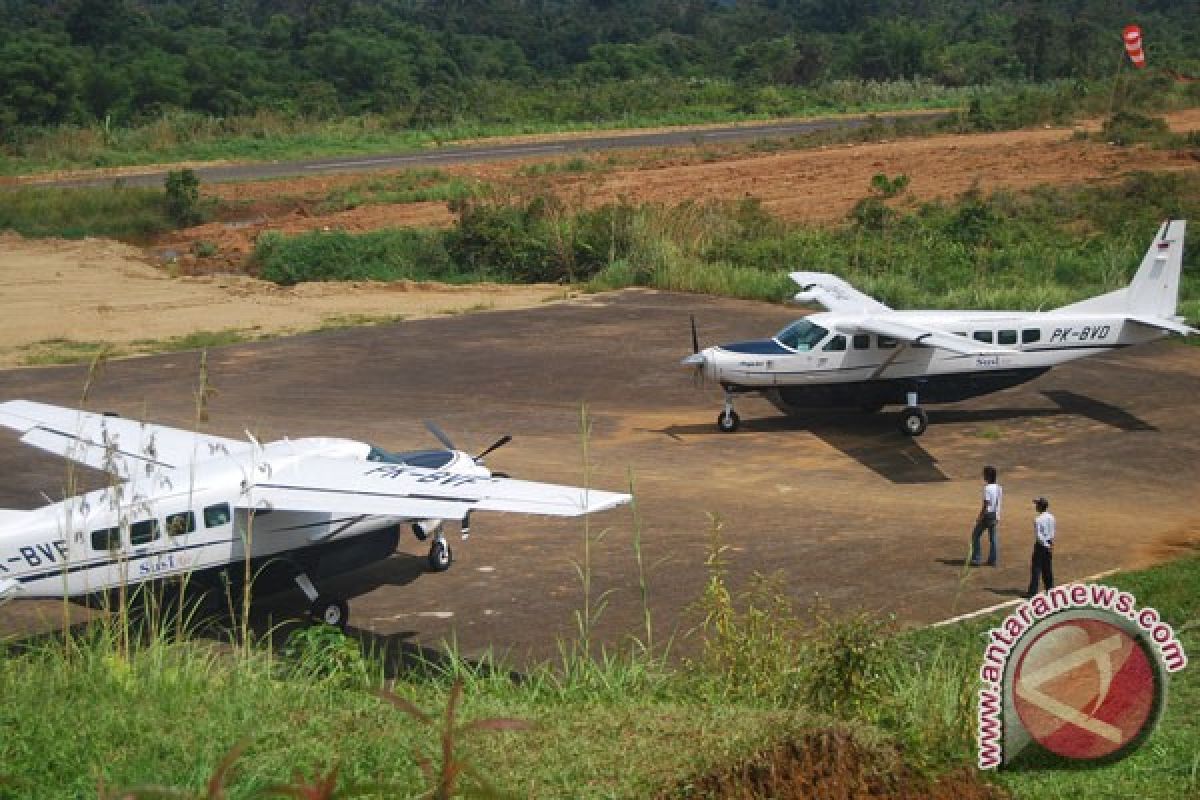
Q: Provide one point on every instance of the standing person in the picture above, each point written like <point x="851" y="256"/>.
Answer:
<point x="1043" y="548"/>
<point x="989" y="515"/>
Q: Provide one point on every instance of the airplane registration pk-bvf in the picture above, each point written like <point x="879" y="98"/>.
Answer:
<point x="181" y="503"/>
<point x="860" y="353"/>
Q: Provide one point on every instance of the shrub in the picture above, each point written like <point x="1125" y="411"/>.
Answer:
<point x="183" y="197"/>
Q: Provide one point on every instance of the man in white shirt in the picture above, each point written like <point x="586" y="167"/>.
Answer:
<point x="989" y="515"/>
<point x="1043" y="548"/>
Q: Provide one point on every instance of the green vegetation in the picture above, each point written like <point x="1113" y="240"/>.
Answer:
<point x="183" y="197"/>
<point x="410" y="186"/>
<point x="124" y="703"/>
<point x="122" y="212"/>
<point x="50" y="352"/>
<point x="1036" y="249"/>
<point x="106" y="82"/>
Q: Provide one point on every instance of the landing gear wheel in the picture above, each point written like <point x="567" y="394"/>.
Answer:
<point x="440" y="556"/>
<point x="330" y="611"/>
<point x="728" y="421"/>
<point x="913" y="421"/>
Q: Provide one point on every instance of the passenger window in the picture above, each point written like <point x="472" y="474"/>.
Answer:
<point x="862" y="341"/>
<point x="1007" y="337"/>
<point x="143" y="532"/>
<point x="982" y="336"/>
<point x="886" y="343"/>
<point x="107" y="539"/>
<point x="216" y="516"/>
<point x="837" y="344"/>
<point x="181" y="524"/>
<point x="1030" y="335"/>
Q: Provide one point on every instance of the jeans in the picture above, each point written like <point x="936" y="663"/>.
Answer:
<point x="1041" y="565"/>
<point x="987" y="521"/>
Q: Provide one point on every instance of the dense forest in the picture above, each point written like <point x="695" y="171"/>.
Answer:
<point x="427" y="62"/>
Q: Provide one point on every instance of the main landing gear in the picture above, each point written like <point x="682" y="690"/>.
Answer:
<point x="323" y="608"/>
<point x="728" y="420"/>
<point x="440" y="555"/>
<point x="913" y="419"/>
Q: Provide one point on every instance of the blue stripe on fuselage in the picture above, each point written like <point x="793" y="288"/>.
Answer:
<point x="758" y="347"/>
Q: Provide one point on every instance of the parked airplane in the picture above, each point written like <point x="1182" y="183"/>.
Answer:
<point x="861" y="353"/>
<point x="190" y="504"/>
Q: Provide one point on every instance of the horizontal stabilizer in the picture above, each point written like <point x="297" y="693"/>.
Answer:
<point x="1168" y="325"/>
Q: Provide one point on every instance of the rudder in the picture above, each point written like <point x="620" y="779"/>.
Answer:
<point x="1154" y="290"/>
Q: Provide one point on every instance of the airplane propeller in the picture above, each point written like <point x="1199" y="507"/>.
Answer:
<point x="448" y="443"/>
<point x="439" y="434"/>
<point x="496" y="445"/>
<point x="695" y="358"/>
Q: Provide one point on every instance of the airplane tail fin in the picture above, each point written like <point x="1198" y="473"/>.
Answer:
<point x="1154" y="291"/>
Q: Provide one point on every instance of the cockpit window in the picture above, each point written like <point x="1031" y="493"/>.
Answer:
<point x="801" y="335"/>
<point x="426" y="459"/>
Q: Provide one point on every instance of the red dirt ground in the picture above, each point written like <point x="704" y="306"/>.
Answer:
<point x="818" y="185"/>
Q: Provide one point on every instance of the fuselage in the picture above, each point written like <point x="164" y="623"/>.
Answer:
<point x="166" y="523"/>
<point x="809" y="363"/>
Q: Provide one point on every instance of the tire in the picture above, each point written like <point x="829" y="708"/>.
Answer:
<point x="913" y="421"/>
<point x="728" y="422"/>
<point x="440" y="556"/>
<point x="330" y="611"/>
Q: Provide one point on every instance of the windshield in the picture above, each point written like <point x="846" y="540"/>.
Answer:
<point x="801" y="335"/>
<point x="428" y="459"/>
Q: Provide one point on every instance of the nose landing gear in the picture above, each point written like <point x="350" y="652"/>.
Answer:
<point x="728" y="420"/>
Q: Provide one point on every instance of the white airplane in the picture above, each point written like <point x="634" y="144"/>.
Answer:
<point x="180" y="503"/>
<point x="861" y="353"/>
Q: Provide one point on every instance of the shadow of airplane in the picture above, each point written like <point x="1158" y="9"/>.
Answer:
<point x="873" y="441"/>
<point x="1089" y="407"/>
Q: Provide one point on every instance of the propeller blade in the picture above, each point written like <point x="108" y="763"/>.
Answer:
<point x="503" y="440"/>
<point x="439" y="434"/>
<point x="695" y="338"/>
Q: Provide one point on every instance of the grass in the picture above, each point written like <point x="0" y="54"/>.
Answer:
<point x="49" y="352"/>
<point x="119" y="212"/>
<point x="145" y="709"/>
<point x="410" y="186"/>
<point x="1035" y="249"/>
<point x="556" y="107"/>
<point x="167" y="713"/>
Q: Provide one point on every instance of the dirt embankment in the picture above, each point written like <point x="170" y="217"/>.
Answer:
<point x="819" y="185"/>
<point x="100" y="291"/>
<point x="56" y="292"/>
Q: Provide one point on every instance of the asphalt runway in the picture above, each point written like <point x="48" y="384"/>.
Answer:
<point x="525" y="147"/>
<point x="841" y="506"/>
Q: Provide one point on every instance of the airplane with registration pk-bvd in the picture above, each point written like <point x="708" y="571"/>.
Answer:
<point x="182" y="505"/>
<point x="860" y="353"/>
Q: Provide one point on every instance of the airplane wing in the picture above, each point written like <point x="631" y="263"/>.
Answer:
<point x="927" y="337"/>
<point x="833" y="293"/>
<point x="114" y="444"/>
<point x="343" y="486"/>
